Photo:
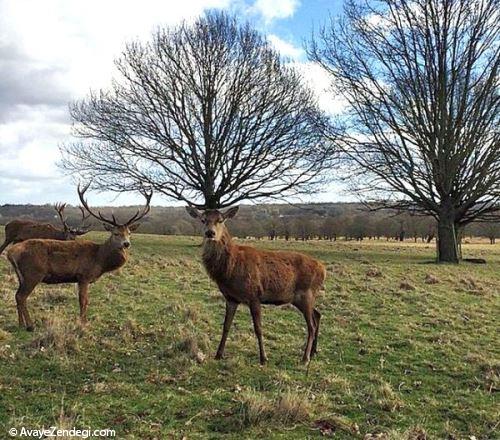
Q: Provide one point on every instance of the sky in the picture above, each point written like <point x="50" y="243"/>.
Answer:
<point x="53" y="52"/>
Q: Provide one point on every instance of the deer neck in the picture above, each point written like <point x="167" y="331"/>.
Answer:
<point x="110" y="257"/>
<point x="218" y="256"/>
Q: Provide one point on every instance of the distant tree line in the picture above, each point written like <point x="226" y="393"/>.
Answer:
<point x="329" y="221"/>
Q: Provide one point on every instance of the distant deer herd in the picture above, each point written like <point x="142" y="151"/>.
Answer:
<point x="42" y="253"/>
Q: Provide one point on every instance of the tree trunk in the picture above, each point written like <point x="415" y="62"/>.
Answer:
<point x="211" y="200"/>
<point x="447" y="240"/>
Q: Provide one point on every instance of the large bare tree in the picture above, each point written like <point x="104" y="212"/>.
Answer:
<point x="421" y="79"/>
<point x="206" y="113"/>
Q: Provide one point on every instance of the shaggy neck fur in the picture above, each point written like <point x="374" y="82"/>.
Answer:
<point x="217" y="257"/>
<point x="111" y="258"/>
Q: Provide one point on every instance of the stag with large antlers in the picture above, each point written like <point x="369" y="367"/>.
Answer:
<point x="82" y="262"/>
<point x="254" y="277"/>
<point x="17" y="231"/>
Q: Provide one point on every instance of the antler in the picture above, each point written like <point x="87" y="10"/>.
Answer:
<point x="136" y="217"/>
<point x="85" y="227"/>
<point x="98" y="216"/>
<point x="84" y="217"/>
<point x="59" y="207"/>
<point x="139" y="215"/>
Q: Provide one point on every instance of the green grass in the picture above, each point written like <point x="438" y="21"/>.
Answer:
<point x="397" y="355"/>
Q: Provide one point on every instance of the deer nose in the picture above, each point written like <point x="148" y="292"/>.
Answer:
<point x="126" y="244"/>
<point x="209" y="234"/>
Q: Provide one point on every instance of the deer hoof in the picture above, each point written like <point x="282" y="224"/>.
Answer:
<point x="219" y="356"/>
<point x="30" y="328"/>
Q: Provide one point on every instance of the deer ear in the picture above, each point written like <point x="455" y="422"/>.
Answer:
<point x="193" y="212"/>
<point x="230" y="213"/>
<point x="108" y="227"/>
<point x="133" y="227"/>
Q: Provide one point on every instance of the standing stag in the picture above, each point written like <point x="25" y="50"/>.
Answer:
<point x="17" y="231"/>
<point x="83" y="262"/>
<point x="254" y="277"/>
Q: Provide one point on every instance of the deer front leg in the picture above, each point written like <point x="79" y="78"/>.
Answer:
<point x="228" y="320"/>
<point x="255" y="310"/>
<point x="83" y="296"/>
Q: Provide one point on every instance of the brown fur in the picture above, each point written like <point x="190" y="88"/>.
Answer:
<point x="21" y="230"/>
<point x="18" y="231"/>
<point x="54" y="262"/>
<point x="253" y="277"/>
<point x="83" y="262"/>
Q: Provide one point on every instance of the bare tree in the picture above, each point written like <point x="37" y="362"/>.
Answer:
<point x="206" y="113"/>
<point x="421" y="79"/>
<point x="488" y="230"/>
<point x="330" y="228"/>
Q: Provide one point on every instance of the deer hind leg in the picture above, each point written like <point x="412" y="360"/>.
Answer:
<point x="21" y="296"/>
<point x="228" y="320"/>
<point x="83" y="296"/>
<point x="255" y="310"/>
<point x="316" y="317"/>
<point x="305" y="305"/>
<point x="19" y="306"/>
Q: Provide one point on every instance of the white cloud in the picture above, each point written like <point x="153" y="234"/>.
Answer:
<point x="55" y="51"/>
<point x="273" y="9"/>
<point x="52" y="52"/>
<point x="320" y="82"/>
<point x="85" y="37"/>
<point x="285" y="48"/>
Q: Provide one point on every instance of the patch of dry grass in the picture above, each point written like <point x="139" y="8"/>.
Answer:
<point x="431" y="279"/>
<point x="374" y="272"/>
<point x="287" y="408"/>
<point x="471" y="285"/>
<point x="57" y="335"/>
<point x="384" y="396"/>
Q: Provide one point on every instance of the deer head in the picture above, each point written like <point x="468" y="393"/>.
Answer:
<point x="120" y="232"/>
<point x="213" y="221"/>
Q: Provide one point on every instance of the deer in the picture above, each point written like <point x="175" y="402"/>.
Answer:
<point x="17" y="231"/>
<point x="251" y="276"/>
<point x="82" y="262"/>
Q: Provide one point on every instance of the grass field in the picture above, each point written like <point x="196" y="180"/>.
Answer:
<point x="407" y="350"/>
